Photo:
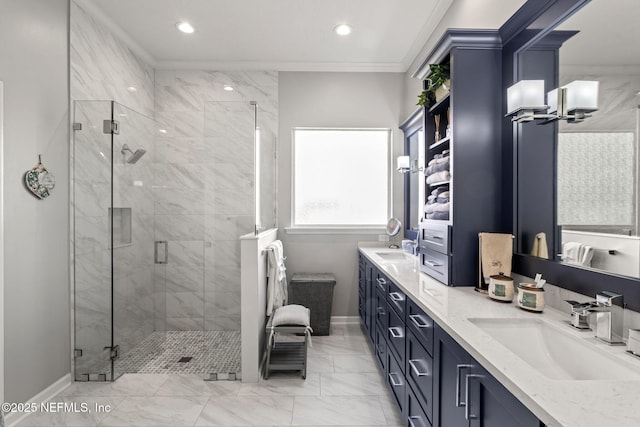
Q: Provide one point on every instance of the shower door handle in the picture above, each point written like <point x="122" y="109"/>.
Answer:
<point x="161" y="252"/>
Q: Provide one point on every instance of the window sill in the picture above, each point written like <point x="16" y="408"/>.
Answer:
<point x="336" y="230"/>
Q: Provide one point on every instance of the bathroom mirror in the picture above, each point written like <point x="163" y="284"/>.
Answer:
<point x="595" y="184"/>
<point x="393" y="226"/>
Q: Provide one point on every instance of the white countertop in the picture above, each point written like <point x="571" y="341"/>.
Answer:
<point x="557" y="403"/>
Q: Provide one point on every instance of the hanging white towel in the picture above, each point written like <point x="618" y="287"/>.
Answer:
<point x="276" y="277"/>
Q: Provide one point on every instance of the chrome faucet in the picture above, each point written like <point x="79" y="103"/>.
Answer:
<point x="580" y="314"/>
<point x="609" y="309"/>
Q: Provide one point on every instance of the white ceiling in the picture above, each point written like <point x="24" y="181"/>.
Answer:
<point x="276" y="34"/>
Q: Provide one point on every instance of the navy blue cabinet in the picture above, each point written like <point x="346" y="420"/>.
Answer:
<point x="434" y="381"/>
<point x="466" y="394"/>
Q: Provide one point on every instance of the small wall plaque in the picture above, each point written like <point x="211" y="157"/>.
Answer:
<point x="39" y="181"/>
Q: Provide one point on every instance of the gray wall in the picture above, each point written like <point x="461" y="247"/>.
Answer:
<point x="334" y="100"/>
<point x="33" y="48"/>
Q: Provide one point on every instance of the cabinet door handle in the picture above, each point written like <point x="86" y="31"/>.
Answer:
<point x="418" y="419"/>
<point x="434" y="237"/>
<point x="467" y="410"/>
<point x="381" y="311"/>
<point x="381" y="281"/>
<point x="396" y="296"/>
<point x="432" y="263"/>
<point x="396" y="332"/>
<point x="459" y="369"/>
<point x="419" y="321"/>
<point x="395" y="383"/>
<point x="414" y="367"/>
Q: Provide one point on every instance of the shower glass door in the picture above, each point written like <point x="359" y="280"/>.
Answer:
<point x="119" y="311"/>
<point x="138" y="260"/>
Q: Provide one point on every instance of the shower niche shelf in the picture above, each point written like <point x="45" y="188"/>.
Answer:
<point x="121" y="227"/>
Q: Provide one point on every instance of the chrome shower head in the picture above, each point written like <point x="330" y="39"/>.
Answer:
<point x="135" y="156"/>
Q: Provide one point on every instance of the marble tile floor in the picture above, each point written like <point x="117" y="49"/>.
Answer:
<point x="344" y="387"/>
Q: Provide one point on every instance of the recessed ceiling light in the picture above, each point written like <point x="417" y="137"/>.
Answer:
<point x="342" y="29"/>
<point x="185" y="27"/>
<point x="162" y="130"/>
<point x="227" y="88"/>
<point x="132" y="89"/>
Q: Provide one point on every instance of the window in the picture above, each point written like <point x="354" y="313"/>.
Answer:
<point x="341" y="177"/>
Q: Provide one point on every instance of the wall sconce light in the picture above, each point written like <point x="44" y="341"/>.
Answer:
<point x="573" y="102"/>
<point x="404" y="164"/>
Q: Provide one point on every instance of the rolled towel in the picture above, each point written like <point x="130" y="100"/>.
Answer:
<point x="439" y="177"/>
<point x="438" y="215"/>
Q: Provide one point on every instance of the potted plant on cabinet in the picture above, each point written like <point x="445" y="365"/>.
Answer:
<point x="438" y="83"/>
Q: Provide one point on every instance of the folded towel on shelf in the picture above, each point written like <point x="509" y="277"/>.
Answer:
<point x="540" y="248"/>
<point x="437" y="207"/>
<point x="439" y="190"/>
<point x="437" y="165"/>
<point x="442" y="198"/>
<point x="496" y="253"/>
<point x="438" y="215"/>
<point x="439" y="177"/>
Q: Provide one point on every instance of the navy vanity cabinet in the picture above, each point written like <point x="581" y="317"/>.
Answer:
<point x="396" y="328"/>
<point x="381" y="322"/>
<point x="419" y="373"/>
<point x="416" y="416"/>
<point x="361" y="289"/>
<point x="466" y="394"/>
<point x="366" y="296"/>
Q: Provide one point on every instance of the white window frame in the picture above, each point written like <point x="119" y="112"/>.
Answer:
<point x="340" y="228"/>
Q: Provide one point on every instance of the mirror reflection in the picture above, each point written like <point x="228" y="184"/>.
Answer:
<point x="597" y="159"/>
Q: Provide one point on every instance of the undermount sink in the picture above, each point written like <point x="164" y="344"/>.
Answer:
<point x="389" y="256"/>
<point x="555" y="354"/>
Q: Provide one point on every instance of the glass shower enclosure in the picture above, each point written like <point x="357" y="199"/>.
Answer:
<point x="119" y="267"/>
<point x="157" y="220"/>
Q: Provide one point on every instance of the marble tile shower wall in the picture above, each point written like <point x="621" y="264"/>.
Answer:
<point x="204" y="188"/>
<point x="102" y="67"/>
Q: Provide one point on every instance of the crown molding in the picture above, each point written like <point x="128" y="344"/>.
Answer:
<point x="355" y="67"/>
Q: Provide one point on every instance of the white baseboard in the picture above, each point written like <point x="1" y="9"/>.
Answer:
<point x="345" y="320"/>
<point x="45" y="395"/>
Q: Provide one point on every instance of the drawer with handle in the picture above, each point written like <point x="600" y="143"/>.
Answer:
<point x="419" y="372"/>
<point x="420" y="324"/>
<point x="416" y="416"/>
<point x="396" y="336"/>
<point x="395" y="378"/>
<point x="396" y="299"/>
<point x="435" y="264"/>
<point x="435" y="237"/>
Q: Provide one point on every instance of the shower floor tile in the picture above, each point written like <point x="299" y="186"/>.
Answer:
<point x="214" y="354"/>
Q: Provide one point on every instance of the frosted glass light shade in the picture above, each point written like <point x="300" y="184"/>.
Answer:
<point x="582" y="95"/>
<point x="525" y="95"/>
<point x="404" y="163"/>
<point x="552" y="101"/>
